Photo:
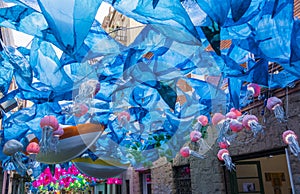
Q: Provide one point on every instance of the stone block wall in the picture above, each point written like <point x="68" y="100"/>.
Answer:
<point x="162" y="181"/>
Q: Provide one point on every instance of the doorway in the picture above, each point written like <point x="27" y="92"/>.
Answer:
<point x="264" y="174"/>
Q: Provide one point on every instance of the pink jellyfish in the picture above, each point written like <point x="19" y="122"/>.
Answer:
<point x="123" y="119"/>
<point x="13" y="148"/>
<point x="223" y="126"/>
<point x="186" y="152"/>
<point x="274" y="104"/>
<point x="223" y="155"/>
<point x="237" y="112"/>
<point x="290" y="138"/>
<point x="231" y="115"/>
<point x="202" y="121"/>
<point x="195" y="136"/>
<point x="48" y="125"/>
<point x="32" y="149"/>
<point x="224" y="144"/>
<point x="80" y="109"/>
<point x="253" y="90"/>
<point x="55" y="138"/>
<point x="236" y="126"/>
<point x="250" y="122"/>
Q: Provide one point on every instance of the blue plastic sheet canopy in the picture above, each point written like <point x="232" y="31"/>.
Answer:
<point x="173" y="71"/>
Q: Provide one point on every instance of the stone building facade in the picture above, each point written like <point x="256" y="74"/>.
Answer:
<point x="207" y="176"/>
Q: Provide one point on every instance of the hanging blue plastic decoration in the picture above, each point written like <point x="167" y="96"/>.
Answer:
<point x="175" y="23"/>
<point x="239" y="8"/>
<point x="70" y="21"/>
<point x="217" y="10"/>
<point x="212" y="34"/>
<point x="234" y="85"/>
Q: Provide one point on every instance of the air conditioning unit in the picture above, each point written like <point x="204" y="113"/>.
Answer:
<point x="9" y="105"/>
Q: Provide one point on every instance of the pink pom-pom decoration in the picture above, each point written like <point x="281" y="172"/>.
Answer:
<point x="49" y="121"/>
<point x="203" y="120"/>
<point x="33" y="148"/>
<point x="254" y="89"/>
<point x="236" y="126"/>
<point x="195" y="136"/>
<point x="217" y="118"/>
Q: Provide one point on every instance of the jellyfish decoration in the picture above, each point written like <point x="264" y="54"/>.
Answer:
<point x="80" y="109"/>
<point x="275" y="104"/>
<point x="48" y="125"/>
<point x="290" y="138"/>
<point x="222" y="124"/>
<point x="223" y="155"/>
<point x="195" y="136"/>
<point x="187" y="152"/>
<point x="202" y="121"/>
<point x="32" y="149"/>
<point x="253" y="90"/>
<point x="123" y="119"/>
<point x="250" y="122"/>
<point x="14" y="148"/>
<point x="236" y="112"/>
<point x="87" y="91"/>
<point x="236" y="126"/>
<point x="224" y="144"/>
<point x="55" y="138"/>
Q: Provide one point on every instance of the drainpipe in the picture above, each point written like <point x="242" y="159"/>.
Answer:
<point x="289" y="169"/>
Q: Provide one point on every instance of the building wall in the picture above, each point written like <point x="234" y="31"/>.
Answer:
<point x="207" y="176"/>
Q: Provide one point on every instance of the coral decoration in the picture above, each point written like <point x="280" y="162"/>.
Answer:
<point x="49" y="121"/>
<point x="236" y="126"/>
<point x="80" y="109"/>
<point x="275" y="104"/>
<point x="250" y="122"/>
<point x="195" y="136"/>
<point x="186" y="152"/>
<point x="223" y="155"/>
<point x="202" y="120"/>
<point x="67" y="179"/>
<point x="290" y="138"/>
<point x="253" y="89"/>
<point x="217" y="118"/>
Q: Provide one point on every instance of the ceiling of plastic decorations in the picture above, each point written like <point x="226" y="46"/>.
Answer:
<point x="137" y="102"/>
